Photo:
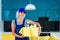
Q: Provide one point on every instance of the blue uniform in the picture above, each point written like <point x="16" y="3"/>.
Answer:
<point x="17" y="29"/>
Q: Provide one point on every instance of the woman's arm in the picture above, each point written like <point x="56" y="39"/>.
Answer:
<point x="13" y="30"/>
<point x="39" y="28"/>
<point x="38" y="25"/>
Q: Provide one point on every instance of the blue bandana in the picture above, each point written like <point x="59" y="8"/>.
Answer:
<point x="22" y="10"/>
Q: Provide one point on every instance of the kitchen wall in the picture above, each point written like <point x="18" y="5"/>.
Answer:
<point x="44" y="8"/>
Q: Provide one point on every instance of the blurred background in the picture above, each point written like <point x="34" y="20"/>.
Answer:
<point x="47" y="13"/>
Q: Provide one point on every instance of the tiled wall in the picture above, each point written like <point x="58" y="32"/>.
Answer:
<point x="44" y="8"/>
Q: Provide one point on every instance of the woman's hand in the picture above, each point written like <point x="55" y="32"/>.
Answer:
<point x="22" y="36"/>
<point x="39" y="30"/>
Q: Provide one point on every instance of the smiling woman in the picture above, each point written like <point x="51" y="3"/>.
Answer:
<point x="20" y="22"/>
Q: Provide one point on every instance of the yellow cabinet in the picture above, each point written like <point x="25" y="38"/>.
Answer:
<point x="8" y="37"/>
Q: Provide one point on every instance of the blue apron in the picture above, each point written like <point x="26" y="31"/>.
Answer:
<point x="17" y="29"/>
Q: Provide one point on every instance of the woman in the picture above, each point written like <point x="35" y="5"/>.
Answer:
<point x="20" y="22"/>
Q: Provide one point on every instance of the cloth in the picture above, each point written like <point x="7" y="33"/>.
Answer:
<point x="29" y="31"/>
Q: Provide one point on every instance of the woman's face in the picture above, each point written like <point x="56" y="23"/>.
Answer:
<point x="21" y="14"/>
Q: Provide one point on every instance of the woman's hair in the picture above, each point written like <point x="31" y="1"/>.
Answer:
<point x="17" y="14"/>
